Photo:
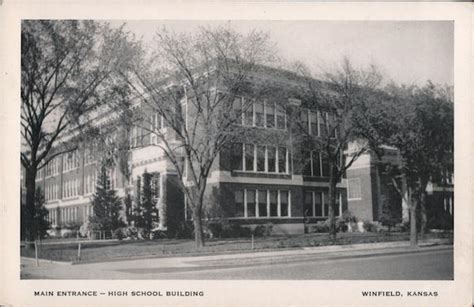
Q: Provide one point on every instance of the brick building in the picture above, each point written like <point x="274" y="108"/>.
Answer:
<point x="255" y="181"/>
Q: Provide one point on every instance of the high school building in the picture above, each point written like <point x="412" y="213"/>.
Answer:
<point x="253" y="182"/>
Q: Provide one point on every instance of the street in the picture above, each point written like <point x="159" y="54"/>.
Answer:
<point x="428" y="263"/>
<point x="432" y="265"/>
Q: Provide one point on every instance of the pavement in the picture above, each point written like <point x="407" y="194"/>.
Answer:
<point x="182" y="266"/>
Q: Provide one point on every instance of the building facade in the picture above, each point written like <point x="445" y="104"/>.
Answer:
<point x="256" y="180"/>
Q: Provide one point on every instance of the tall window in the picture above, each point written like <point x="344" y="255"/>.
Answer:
<point x="308" y="204"/>
<point x="237" y="110"/>
<point x="271" y="159"/>
<point x="322" y="119"/>
<point x="324" y="165"/>
<point x="248" y="115"/>
<point x="273" y="203"/>
<point x="237" y="156"/>
<point x="249" y="157"/>
<point x="251" y="204"/>
<point x="260" y="158"/>
<point x="270" y="114"/>
<point x="282" y="159"/>
<point x="284" y="203"/>
<point x="313" y="120"/>
<point x="259" y="115"/>
<point x="239" y="203"/>
<point x="316" y="163"/>
<point x="305" y="121"/>
<point x="281" y="118"/>
<point x="262" y="203"/>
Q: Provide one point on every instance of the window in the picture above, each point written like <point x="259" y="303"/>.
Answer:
<point x="260" y="158"/>
<point x="313" y="123"/>
<point x="270" y="114"/>
<point x="248" y="115"/>
<point x="271" y="159"/>
<point x="308" y="204"/>
<point x="322" y="124"/>
<point x="318" y="204"/>
<point x="304" y="121"/>
<point x="251" y="208"/>
<point x="237" y="156"/>
<point x="249" y="157"/>
<point x="239" y="203"/>
<point x="273" y="203"/>
<point x="284" y="203"/>
<point x="251" y="203"/>
<point x="259" y="115"/>
<point x="262" y="203"/>
<point x="281" y="118"/>
<point x="332" y="125"/>
<point x="155" y="125"/>
<point x="314" y="204"/>
<point x="71" y="161"/>
<point x="88" y="155"/>
<point x="316" y="163"/>
<point x="324" y="165"/>
<point x="237" y="110"/>
<point x="282" y="159"/>
<point x="353" y="191"/>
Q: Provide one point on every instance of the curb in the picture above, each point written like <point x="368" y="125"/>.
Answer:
<point x="261" y="253"/>
<point x="46" y="261"/>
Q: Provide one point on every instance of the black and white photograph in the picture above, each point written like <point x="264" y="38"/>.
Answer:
<point x="169" y="160"/>
<point x="237" y="150"/>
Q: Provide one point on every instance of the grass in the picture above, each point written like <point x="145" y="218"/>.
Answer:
<point x="111" y="250"/>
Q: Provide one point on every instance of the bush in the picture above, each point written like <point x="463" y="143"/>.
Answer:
<point x="319" y="227"/>
<point x="263" y="230"/>
<point x="348" y="217"/>
<point x="215" y="229"/>
<point x="121" y="233"/>
<point x="69" y="234"/>
<point x="185" y="230"/>
<point x="370" y="226"/>
<point x="234" y="230"/>
<point x="341" y="225"/>
<point x="159" y="234"/>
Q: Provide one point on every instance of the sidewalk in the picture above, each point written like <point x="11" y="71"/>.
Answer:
<point x="125" y="269"/>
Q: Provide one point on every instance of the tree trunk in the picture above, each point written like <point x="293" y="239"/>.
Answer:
<point x="332" y="204"/>
<point x="198" y="231"/>
<point x="413" y="231"/>
<point x="29" y="223"/>
<point x="424" y="218"/>
<point x="405" y="201"/>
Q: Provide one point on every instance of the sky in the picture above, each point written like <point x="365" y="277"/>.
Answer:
<point x="407" y="52"/>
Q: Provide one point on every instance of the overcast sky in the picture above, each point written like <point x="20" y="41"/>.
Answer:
<point x="406" y="51"/>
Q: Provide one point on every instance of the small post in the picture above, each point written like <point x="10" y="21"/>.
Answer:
<point x="163" y="248"/>
<point x="79" y="252"/>
<point x="36" y="253"/>
<point x="252" y="241"/>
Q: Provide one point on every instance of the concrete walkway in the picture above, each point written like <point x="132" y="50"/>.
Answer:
<point x="125" y="269"/>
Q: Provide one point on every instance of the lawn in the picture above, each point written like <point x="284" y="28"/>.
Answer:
<point x="111" y="250"/>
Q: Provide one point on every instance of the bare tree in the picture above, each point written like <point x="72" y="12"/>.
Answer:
<point x="187" y="90"/>
<point x="339" y="102"/>
<point x="64" y="68"/>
